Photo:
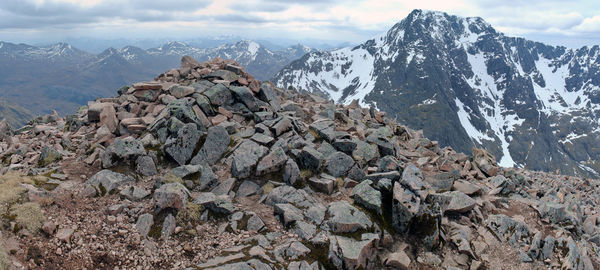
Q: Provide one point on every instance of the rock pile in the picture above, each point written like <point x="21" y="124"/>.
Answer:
<point x="207" y="168"/>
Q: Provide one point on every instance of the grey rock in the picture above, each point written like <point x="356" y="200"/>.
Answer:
<point x="466" y="187"/>
<point x="145" y="166"/>
<point x="291" y="172"/>
<point x="338" y="164"/>
<point x="244" y="95"/>
<point x="347" y="253"/>
<point x="345" y="145"/>
<point x="189" y="62"/>
<point x="122" y="149"/>
<point x="375" y="177"/>
<point x="245" y="158"/>
<point x="288" y="194"/>
<point x="548" y="247"/>
<point x="368" y="197"/>
<point x="144" y="223"/>
<point x="388" y="164"/>
<point x="452" y="201"/>
<point x="106" y="181"/>
<point x="364" y="151"/>
<point x="182" y="148"/>
<point x="134" y="193"/>
<point x="310" y="159"/>
<point x="398" y="260"/>
<point x="221" y="205"/>
<point x="345" y="218"/>
<point x="508" y="229"/>
<point x="316" y="214"/>
<point x="262" y="138"/>
<point x="405" y="206"/>
<point x="219" y="95"/>
<point x="179" y="91"/>
<point x="216" y="143"/>
<point x="326" y="149"/>
<point x="288" y="213"/>
<point x="224" y="187"/>
<point x="412" y="178"/>
<point x="282" y="126"/>
<point x="272" y="162"/>
<point x="305" y="230"/>
<point x="168" y="227"/>
<point x="207" y="179"/>
<point x="255" y="223"/>
<point x="557" y="213"/>
<point x="290" y="251"/>
<point x="324" y="129"/>
<point x="185" y="170"/>
<point x="322" y="183"/>
<point x="48" y="155"/>
<point x="248" y="188"/>
<point x="172" y="195"/>
<point x="267" y="94"/>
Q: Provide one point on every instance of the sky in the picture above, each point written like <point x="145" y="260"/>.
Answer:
<point x="556" y="22"/>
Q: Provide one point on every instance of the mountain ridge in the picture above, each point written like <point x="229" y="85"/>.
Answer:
<point x="436" y="72"/>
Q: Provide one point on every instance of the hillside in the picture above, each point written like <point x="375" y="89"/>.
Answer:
<point x="15" y="115"/>
<point x="467" y="85"/>
<point x="206" y="167"/>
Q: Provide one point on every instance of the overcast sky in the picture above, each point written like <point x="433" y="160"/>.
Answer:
<point x="570" y="23"/>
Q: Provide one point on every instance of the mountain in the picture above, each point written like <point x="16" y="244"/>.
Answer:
<point x="15" y="115"/>
<point x="467" y="85"/>
<point x="63" y="78"/>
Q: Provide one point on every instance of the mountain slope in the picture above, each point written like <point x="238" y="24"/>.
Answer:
<point x="465" y="85"/>
<point x="15" y="115"/>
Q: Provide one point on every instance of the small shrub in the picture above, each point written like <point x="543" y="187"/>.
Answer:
<point x="190" y="215"/>
<point x="28" y="215"/>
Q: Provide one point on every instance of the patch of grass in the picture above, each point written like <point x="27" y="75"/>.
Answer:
<point x="28" y="215"/>
<point x="171" y="178"/>
<point x="267" y="188"/>
<point x="3" y="258"/>
<point x="305" y="174"/>
<point x="11" y="191"/>
<point x="190" y="216"/>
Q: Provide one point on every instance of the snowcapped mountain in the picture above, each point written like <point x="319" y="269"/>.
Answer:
<point x="465" y="84"/>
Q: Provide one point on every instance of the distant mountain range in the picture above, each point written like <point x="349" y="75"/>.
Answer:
<point x="61" y="77"/>
<point x="466" y="84"/>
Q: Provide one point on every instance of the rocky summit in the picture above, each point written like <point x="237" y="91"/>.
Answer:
<point x="206" y="167"/>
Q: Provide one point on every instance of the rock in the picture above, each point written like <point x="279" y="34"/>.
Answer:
<point x="466" y="187"/>
<point x="389" y="164"/>
<point x="405" y="206"/>
<point x="219" y="95"/>
<point x="485" y="161"/>
<point x="557" y="213"/>
<point x="216" y="143"/>
<point x="207" y="180"/>
<point x="108" y="118"/>
<point x="248" y="188"/>
<point x="144" y="224"/>
<point x="106" y="181"/>
<point x="48" y="156"/>
<point x="548" y="247"/>
<point x="305" y="230"/>
<point x="168" y="227"/>
<point x="345" y="218"/>
<point x="244" y="95"/>
<point x="364" y="152"/>
<point x="291" y="172"/>
<point x="225" y="259"/>
<point x="171" y="195"/>
<point x="368" y="197"/>
<point x="452" y="201"/>
<point x="65" y="234"/>
<point x="179" y="91"/>
<point x="412" y="178"/>
<point x="182" y="147"/>
<point x="224" y="187"/>
<point x="49" y="227"/>
<point x="189" y="62"/>
<point x="288" y="213"/>
<point x="272" y="162"/>
<point x="507" y="228"/>
<point x="267" y="94"/>
<point x="94" y="111"/>
<point x="323" y="129"/>
<point x="255" y="223"/>
<point x="221" y="205"/>
<point x="338" y="164"/>
<point x="121" y="150"/>
<point x="245" y="158"/>
<point x="322" y="183"/>
<point x="398" y="260"/>
<point x="134" y="193"/>
<point x="288" y="194"/>
<point x="145" y="166"/>
<point x="282" y="126"/>
<point x="310" y="159"/>
<point x="347" y="253"/>
<point x="345" y="145"/>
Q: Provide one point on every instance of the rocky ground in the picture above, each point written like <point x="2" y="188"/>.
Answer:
<point x="208" y="168"/>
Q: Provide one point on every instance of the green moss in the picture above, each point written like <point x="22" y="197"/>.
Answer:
<point x="190" y="216"/>
<point x="171" y="178"/>
<point x="305" y="174"/>
<point x="267" y="188"/>
<point x="28" y="215"/>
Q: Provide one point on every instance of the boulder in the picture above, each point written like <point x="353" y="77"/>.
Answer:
<point x="368" y="197"/>
<point x="291" y="172"/>
<point x="189" y="62"/>
<point x="272" y="162"/>
<point x="310" y="159"/>
<point x="179" y="91"/>
<point x="48" y="156"/>
<point x="406" y="205"/>
<point x="338" y="164"/>
<point x="452" y="201"/>
<point x="288" y="213"/>
<point x="412" y="178"/>
<point x="145" y="166"/>
<point x="122" y="150"/>
<point x="245" y="158"/>
<point x="106" y="181"/>
<point x="182" y="147"/>
<point x="348" y="253"/>
<point x="219" y="95"/>
<point x="244" y="95"/>
<point x="345" y="218"/>
<point x="216" y="143"/>
<point x="171" y="195"/>
<point x="322" y="183"/>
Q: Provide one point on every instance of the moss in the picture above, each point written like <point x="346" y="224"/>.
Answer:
<point x="267" y="188"/>
<point x="171" y="178"/>
<point x="28" y="215"/>
<point x="305" y="174"/>
<point x="190" y="216"/>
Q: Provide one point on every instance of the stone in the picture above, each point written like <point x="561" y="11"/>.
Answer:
<point x="322" y="184"/>
<point x="338" y="164"/>
<point x="106" y="181"/>
<point x="288" y="194"/>
<point x="398" y="260"/>
<point x="145" y="166"/>
<point x="282" y="126"/>
<point x="347" y="253"/>
<point x="262" y="138"/>
<point x="507" y="228"/>
<point x="121" y="150"/>
<point x="171" y="195"/>
<point x="244" y="95"/>
<point x="224" y="187"/>
<point x="345" y="218"/>
<point x="267" y="94"/>
<point x="305" y="230"/>
<point x="134" y="193"/>
<point x="207" y="180"/>
<point x="179" y="91"/>
<point x="255" y="223"/>
<point x="221" y="205"/>
<point x="168" y="227"/>
<point x="49" y="227"/>
<point x="324" y="129"/>
<point x="212" y="263"/>
<point x="412" y="178"/>
<point x="219" y="95"/>
<point x="144" y="224"/>
<point x="310" y="159"/>
<point x="108" y="118"/>
<point x="216" y="143"/>
<point x="48" y="156"/>
<point x="189" y="62"/>
<point x="405" y="206"/>
<point x="288" y="213"/>
<point x="364" y="151"/>
<point x="248" y="188"/>
<point x="466" y="187"/>
<point x="65" y="234"/>
<point x="272" y="162"/>
<point x="182" y="147"/>
<point x="556" y="213"/>
<point x="388" y="164"/>
<point x="485" y="161"/>
<point x="291" y="172"/>
<point x="368" y="197"/>
<point x="452" y="201"/>
<point x="245" y="158"/>
<point x="93" y="112"/>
